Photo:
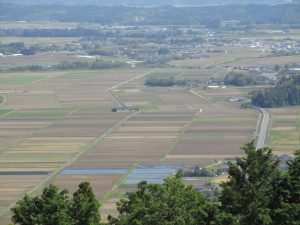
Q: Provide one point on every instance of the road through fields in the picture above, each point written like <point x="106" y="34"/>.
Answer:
<point x="263" y="131"/>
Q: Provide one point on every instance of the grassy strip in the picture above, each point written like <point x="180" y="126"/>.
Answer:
<point x="82" y="74"/>
<point x="111" y="92"/>
<point x="118" y="184"/>
<point x="148" y="107"/>
<point x="169" y="150"/>
<point x="40" y="113"/>
<point x="2" y="99"/>
<point x="116" y="98"/>
<point x="20" y="79"/>
<point x="5" y="112"/>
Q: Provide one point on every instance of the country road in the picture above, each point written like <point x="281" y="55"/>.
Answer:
<point x="263" y="130"/>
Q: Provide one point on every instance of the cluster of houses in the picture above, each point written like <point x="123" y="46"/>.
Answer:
<point x="256" y="69"/>
<point x="284" y="160"/>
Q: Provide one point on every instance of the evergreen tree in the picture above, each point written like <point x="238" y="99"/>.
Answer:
<point x="286" y="92"/>
<point x="26" y="211"/>
<point x="294" y="190"/>
<point x="246" y="194"/>
<point x="51" y="208"/>
<point x="170" y="203"/>
<point x="54" y="207"/>
<point x="85" y="207"/>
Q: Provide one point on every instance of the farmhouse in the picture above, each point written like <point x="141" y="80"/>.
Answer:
<point x="125" y="109"/>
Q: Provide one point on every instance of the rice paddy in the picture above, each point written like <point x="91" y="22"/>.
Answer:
<point x="61" y="130"/>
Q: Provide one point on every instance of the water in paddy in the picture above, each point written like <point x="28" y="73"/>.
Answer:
<point x="94" y="171"/>
<point x="151" y="174"/>
<point x="154" y="174"/>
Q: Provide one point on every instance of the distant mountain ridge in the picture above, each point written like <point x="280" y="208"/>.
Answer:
<point x="146" y="3"/>
<point x="210" y="16"/>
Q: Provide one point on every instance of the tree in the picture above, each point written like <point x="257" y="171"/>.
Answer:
<point x="239" y="79"/>
<point x="170" y="203"/>
<point x="286" y="92"/>
<point x="246" y="194"/>
<point x="26" y="211"/>
<point x="85" y="207"/>
<point x="294" y="190"/>
<point x="52" y="207"/>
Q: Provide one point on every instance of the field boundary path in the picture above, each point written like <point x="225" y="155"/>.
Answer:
<point x="263" y="129"/>
<point x="111" y="89"/>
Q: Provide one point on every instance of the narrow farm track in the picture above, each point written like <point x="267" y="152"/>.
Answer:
<point x="114" y="97"/>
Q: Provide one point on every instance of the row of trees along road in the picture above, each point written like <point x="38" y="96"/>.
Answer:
<point x="257" y="192"/>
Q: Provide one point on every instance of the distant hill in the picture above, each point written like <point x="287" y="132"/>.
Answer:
<point x="145" y="3"/>
<point x="210" y="16"/>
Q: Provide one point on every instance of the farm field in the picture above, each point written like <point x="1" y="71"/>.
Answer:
<point x="115" y="93"/>
<point x="45" y="125"/>
<point x="42" y="59"/>
<point x="186" y="126"/>
<point x="57" y="127"/>
<point x="237" y="57"/>
<point x="284" y="134"/>
<point x="219" y="59"/>
<point x="44" y="41"/>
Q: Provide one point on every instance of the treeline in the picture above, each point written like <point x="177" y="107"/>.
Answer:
<point x="54" y="207"/>
<point x="286" y="92"/>
<point x="257" y="192"/>
<point x="17" y="48"/>
<point x="210" y="16"/>
<point x="75" y="32"/>
<point x="98" y="64"/>
<point x="161" y="82"/>
<point x="170" y="81"/>
<point x="239" y="79"/>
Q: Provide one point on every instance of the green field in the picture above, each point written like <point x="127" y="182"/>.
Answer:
<point x="164" y="74"/>
<point x="20" y="79"/>
<point x="39" y="114"/>
<point x="2" y="99"/>
<point x="285" y="138"/>
<point x="284" y="135"/>
<point x="81" y="74"/>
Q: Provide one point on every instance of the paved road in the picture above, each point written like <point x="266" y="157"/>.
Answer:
<point x="263" y="131"/>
